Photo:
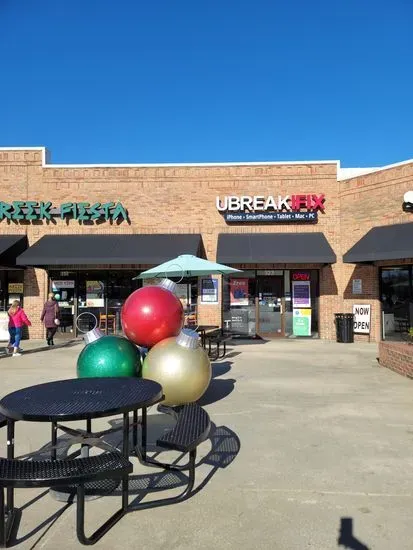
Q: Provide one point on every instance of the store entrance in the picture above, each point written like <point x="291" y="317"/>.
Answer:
<point x="270" y="306"/>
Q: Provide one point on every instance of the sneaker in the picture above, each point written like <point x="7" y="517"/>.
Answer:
<point x="17" y="354"/>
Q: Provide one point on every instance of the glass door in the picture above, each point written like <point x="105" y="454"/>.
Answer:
<point x="91" y="301"/>
<point x="270" y="301"/>
<point x="63" y="285"/>
<point x="120" y="285"/>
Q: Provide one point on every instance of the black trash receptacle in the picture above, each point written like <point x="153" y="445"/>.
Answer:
<point x="344" y="327"/>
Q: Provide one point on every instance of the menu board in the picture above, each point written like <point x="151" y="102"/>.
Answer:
<point x="238" y="290"/>
<point x="301" y="294"/>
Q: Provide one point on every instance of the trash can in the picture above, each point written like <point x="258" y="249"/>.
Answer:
<point x="344" y="327"/>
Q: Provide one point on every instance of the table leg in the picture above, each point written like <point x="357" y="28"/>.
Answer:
<point x="135" y="429"/>
<point x="10" y="456"/>
<point x="125" y="449"/>
<point x="53" y="452"/>
<point x="84" y="449"/>
<point x="144" y="432"/>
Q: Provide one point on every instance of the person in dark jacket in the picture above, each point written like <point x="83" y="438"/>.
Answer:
<point x="51" y="318"/>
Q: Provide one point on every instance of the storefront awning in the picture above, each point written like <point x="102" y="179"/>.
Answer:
<point x="108" y="249"/>
<point x="270" y="248"/>
<point x="10" y="247"/>
<point x="389" y="242"/>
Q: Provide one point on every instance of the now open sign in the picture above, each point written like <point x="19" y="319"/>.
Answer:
<point x="361" y="314"/>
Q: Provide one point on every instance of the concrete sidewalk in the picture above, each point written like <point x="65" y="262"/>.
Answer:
<point x="309" y="437"/>
<point x="35" y="345"/>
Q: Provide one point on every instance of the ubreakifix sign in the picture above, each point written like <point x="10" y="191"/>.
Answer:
<point x="258" y="208"/>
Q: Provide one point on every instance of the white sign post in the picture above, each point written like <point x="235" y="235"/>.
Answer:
<point x="362" y="314"/>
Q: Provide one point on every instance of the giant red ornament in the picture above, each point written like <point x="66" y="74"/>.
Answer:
<point x="151" y="314"/>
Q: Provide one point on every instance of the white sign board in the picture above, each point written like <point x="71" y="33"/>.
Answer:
<point x="357" y="286"/>
<point x="361" y="318"/>
<point x="4" y="326"/>
<point x="56" y="285"/>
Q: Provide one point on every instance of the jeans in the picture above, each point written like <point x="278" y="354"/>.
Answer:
<point x="15" y="336"/>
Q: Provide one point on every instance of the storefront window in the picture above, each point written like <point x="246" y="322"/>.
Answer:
<point x="272" y="303"/>
<point x="92" y="298"/>
<point x="397" y="301"/>
<point x="239" y="308"/>
<point x="119" y="286"/>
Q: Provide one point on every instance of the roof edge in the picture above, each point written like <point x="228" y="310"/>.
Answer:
<point x="341" y="172"/>
<point x="46" y="164"/>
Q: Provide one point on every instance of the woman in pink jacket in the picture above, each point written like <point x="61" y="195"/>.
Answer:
<point x="17" y="320"/>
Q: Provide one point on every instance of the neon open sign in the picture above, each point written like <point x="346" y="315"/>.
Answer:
<point x="301" y="276"/>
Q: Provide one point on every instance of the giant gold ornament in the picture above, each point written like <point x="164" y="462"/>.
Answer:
<point x="181" y="366"/>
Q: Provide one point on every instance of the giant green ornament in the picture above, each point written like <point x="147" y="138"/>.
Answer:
<point x="109" y="356"/>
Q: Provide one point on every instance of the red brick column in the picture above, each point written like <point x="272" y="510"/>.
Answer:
<point x="397" y="356"/>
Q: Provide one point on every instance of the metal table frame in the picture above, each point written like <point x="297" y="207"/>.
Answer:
<point x="15" y="415"/>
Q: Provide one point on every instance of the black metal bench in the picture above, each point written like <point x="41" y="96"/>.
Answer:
<point x="218" y="339"/>
<point x="51" y="473"/>
<point x="192" y="428"/>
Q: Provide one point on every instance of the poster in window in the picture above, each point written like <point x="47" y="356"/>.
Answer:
<point x="4" y="326"/>
<point x="301" y="294"/>
<point x="15" y="288"/>
<point x="209" y="291"/>
<point x="95" y="294"/>
<point x="238" y="290"/>
<point x="302" y="322"/>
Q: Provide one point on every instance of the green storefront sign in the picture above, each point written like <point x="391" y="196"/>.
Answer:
<point x="82" y="211"/>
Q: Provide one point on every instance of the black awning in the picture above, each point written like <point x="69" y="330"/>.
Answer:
<point x="264" y="248"/>
<point x="11" y="246"/>
<point x="109" y="249"/>
<point x="389" y="242"/>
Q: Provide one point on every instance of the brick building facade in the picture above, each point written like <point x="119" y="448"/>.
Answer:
<point x="181" y="200"/>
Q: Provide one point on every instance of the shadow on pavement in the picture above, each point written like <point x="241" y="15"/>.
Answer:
<point x="224" y="448"/>
<point x="346" y="537"/>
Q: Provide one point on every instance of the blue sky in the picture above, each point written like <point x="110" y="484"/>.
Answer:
<point x="223" y="80"/>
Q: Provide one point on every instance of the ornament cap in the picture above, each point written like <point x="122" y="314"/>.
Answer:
<point x="93" y="335"/>
<point x="169" y="285"/>
<point x="188" y="338"/>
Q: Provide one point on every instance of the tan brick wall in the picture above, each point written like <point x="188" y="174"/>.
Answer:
<point x="181" y="199"/>
<point x="369" y="201"/>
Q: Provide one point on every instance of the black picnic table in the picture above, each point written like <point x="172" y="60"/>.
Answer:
<point x="203" y="330"/>
<point x="81" y="399"/>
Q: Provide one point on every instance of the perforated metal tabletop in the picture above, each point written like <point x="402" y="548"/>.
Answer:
<point x="80" y="399"/>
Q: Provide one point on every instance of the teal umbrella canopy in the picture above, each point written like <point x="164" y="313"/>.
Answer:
<point x="187" y="266"/>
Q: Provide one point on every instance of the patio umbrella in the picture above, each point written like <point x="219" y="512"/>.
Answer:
<point x="187" y="265"/>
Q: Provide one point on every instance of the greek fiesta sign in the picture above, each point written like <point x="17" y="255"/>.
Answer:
<point x="83" y="211"/>
<point x="258" y="208"/>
